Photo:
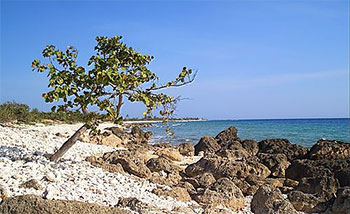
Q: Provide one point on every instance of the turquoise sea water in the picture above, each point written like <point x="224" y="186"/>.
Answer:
<point x="304" y="132"/>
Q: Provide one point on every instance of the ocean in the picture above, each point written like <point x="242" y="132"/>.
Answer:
<point x="304" y="132"/>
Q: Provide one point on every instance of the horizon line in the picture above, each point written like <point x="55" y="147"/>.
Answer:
<point x="294" y="118"/>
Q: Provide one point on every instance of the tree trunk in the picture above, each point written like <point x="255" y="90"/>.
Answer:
<point x="68" y="144"/>
<point x="120" y="103"/>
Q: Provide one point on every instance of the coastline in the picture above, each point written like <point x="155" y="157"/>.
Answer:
<point x="159" y="121"/>
<point x="168" y="179"/>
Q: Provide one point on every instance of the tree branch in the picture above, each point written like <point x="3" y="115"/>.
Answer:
<point x="176" y="84"/>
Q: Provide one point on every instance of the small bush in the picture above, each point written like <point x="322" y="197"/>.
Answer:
<point x="12" y="111"/>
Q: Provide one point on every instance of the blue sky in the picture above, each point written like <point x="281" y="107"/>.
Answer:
<point x="256" y="59"/>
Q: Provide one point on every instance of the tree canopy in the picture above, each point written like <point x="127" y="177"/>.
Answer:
<point x="114" y="72"/>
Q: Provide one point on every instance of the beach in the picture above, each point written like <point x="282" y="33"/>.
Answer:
<point x="163" y="178"/>
<point x="22" y="158"/>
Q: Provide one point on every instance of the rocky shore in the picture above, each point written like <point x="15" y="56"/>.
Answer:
<point x="119" y="172"/>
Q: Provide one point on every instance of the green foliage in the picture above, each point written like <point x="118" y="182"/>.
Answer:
<point x="12" y="111"/>
<point x="116" y="72"/>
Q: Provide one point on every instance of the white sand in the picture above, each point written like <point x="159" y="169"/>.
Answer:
<point x="22" y="158"/>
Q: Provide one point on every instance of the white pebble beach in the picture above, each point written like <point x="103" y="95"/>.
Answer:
<point x="22" y="157"/>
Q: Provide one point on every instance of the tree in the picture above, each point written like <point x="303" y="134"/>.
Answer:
<point x="117" y="72"/>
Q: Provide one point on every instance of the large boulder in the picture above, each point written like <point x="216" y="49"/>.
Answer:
<point x="341" y="204"/>
<point x="36" y="204"/>
<point x="222" y="193"/>
<point x="224" y="167"/>
<point x="207" y="145"/>
<point x="226" y="136"/>
<point x="329" y="149"/>
<point x="269" y="200"/>
<point x="276" y="146"/>
<point x="306" y="202"/>
<point x="132" y="162"/>
<point x="323" y="187"/>
<point x="277" y="163"/>
<point x="306" y="168"/>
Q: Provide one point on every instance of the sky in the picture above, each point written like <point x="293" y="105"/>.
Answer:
<point x="255" y="59"/>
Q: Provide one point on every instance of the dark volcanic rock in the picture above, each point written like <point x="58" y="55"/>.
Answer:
<point x="35" y="204"/>
<point x="329" y="149"/>
<point x="207" y="145"/>
<point x="276" y="146"/>
<point x="269" y="200"/>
